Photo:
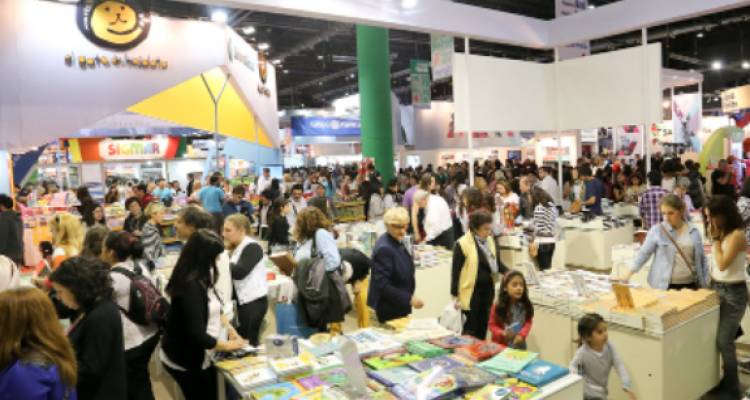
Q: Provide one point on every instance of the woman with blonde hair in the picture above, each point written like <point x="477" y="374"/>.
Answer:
<point x="36" y="359"/>
<point x="248" y="267"/>
<point x="67" y="237"/>
<point x="153" y="248"/>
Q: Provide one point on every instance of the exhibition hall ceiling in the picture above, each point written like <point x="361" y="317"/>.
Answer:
<point x="317" y="58"/>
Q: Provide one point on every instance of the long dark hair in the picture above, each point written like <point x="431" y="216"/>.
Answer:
<point x="125" y="245"/>
<point x="503" y="298"/>
<point x="197" y="262"/>
<point x="275" y="210"/>
<point x="540" y="196"/>
<point x="87" y="279"/>
<point x="724" y="206"/>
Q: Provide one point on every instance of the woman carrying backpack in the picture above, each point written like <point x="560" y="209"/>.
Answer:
<point x="140" y="338"/>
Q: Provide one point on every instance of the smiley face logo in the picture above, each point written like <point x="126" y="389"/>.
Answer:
<point x="115" y="24"/>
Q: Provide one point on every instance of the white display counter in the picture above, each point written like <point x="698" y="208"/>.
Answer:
<point x="589" y="244"/>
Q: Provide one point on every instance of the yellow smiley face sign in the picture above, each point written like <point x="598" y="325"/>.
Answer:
<point x="115" y="24"/>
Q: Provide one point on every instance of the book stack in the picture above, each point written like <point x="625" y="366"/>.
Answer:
<point x="539" y="373"/>
<point x="369" y="341"/>
<point x="251" y="378"/>
<point x="432" y="384"/>
<point x="471" y="378"/>
<point x="393" y="376"/>
<point x="480" y="351"/>
<point x="454" y="342"/>
<point x="279" y="391"/>
<point x="445" y="362"/>
<point x="508" y="361"/>
<point x="391" y="360"/>
<point x="321" y="393"/>
<point x="285" y="367"/>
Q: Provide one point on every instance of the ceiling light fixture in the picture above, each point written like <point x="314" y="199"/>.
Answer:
<point x="320" y="57"/>
<point x="248" y="30"/>
<point x="591" y="7"/>
<point x="219" y="16"/>
<point x="286" y="71"/>
<point x="745" y="65"/>
<point x="264" y="46"/>
<point x="666" y="103"/>
<point x="716" y="65"/>
<point x="276" y="62"/>
<point x="699" y="35"/>
<point x="409" y="4"/>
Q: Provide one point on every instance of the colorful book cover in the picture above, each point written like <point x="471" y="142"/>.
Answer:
<point x="470" y="378"/>
<point x="519" y="390"/>
<point x="446" y="362"/>
<point x="480" y="351"/>
<point x="510" y="360"/>
<point x="279" y="391"/>
<point x="454" y="342"/>
<point x="290" y="366"/>
<point x="391" y="360"/>
<point x="321" y="393"/>
<point x="334" y="377"/>
<point x="540" y="373"/>
<point x="427" y="385"/>
<point x="491" y="392"/>
<point x="426" y="350"/>
<point x="393" y="376"/>
<point x="310" y="382"/>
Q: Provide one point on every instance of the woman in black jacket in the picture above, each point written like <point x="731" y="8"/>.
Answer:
<point x="83" y="284"/>
<point x="195" y="323"/>
<point x="278" y="235"/>
<point x="136" y="219"/>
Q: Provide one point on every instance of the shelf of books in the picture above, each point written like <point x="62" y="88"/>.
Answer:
<point x="425" y="363"/>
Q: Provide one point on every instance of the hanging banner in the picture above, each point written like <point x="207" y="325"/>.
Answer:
<point x="569" y="7"/>
<point x="325" y="126"/>
<point x="421" y="95"/>
<point x="442" y="56"/>
<point x="687" y="110"/>
<point x="735" y="99"/>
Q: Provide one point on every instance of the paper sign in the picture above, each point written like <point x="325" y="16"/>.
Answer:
<point x="623" y="295"/>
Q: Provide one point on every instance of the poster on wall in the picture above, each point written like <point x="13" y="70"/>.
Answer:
<point x="442" y="56"/>
<point x="628" y="140"/>
<point x="421" y="95"/>
<point x="569" y="7"/>
<point x="605" y="140"/>
<point x="687" y="110"/>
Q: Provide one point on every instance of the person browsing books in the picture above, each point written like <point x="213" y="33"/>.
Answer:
<point x="511" y="317"/>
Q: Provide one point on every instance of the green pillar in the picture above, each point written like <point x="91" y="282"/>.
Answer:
<point x="373" y="61"/>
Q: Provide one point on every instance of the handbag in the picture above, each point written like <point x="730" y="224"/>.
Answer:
<point x="679" y="250"/>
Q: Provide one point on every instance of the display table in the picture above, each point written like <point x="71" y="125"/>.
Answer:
<point x="588" y="244"/>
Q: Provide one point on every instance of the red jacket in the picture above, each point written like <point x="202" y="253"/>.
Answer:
<point x="497" y="328"/>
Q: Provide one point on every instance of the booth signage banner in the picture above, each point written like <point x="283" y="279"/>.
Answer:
<point x="687" y="111"/>
<point x="133" y="149"/>
<point x="118" y="25"/>
<point x="442" y="56"/>
<point x="421" y="94"/>
<point x="735" y="99"/>
<point x="325" y="126"/>
<point x="569" y="7"/>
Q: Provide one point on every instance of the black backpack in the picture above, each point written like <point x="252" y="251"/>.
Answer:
<point x="147" y="305"/>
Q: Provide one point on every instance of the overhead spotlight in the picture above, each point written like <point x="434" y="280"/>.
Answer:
<point x="248" y="30"/>
<point x="320" y="83"/>
<point x="351" y="76"/>
<point x="320" y="57"/>
<point x="666" y="103"/>
<point x="699" y="35"/>
<point x="264" y="46"/>
<point x="276" y="62"/>
<point x="591" y="7"/>
<point x="717" y="65"/>
<point x="409" y="4"/>
<point x="716" y="99"/>
<point x="286" y="71"/>
<point x="219" y="16"/>
<point x="745" y="65"/>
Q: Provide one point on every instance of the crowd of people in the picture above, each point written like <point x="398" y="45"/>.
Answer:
<point x="216" y="297"/>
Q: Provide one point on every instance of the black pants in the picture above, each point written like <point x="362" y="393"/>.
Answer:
<point x="544" y="255"/>
<point x="196" y="385"/>
<point x="250" y="316"/>
<point x="445" y="239"/>
<point x="218" y="222"/>
<point x="136" y="367"/>
<point x="680" y="286"/>
<point x="478" y="317"/>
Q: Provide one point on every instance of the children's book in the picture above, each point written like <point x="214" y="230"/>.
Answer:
<point x="491" y="392"/>
<point x="334" y="377"/>
<point x="321" y="393"/>
<point x="519" y="390"/>
<point x="470" y="378"/>
<point x="290" y="366"/>
<point x="428" y="385"/>
<point x="446" y="362"/>
<point x="454" y="342"/>
<point x="393" y="376"/>
<point x="540" y="373"/>
<point x="509" y="360"/>
<point x="279" y="391"/>
<point x="480" y="351"/>
<point x="254" y="377"/>
<point x="425" y="349"/>
<point x="391" y="360"/>
<point x="310" y="382"/>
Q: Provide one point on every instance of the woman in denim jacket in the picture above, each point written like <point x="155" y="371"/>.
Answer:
<point x="670" y="269"/>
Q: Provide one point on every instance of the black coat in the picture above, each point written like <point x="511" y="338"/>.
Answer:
<point x="185" y="339"/>
<point x="100" y="353"/>
<point x="392" y="284"/>
<point x="11" y="236"/>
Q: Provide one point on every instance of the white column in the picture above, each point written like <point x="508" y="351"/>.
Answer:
<point x="646" y="124"/>
<point x="467" y="53"/>
<point x="557" y="129"/>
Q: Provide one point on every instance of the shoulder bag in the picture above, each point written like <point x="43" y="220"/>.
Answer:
<point x="679" y="250"/>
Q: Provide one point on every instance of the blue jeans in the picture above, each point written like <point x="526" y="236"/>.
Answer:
<point x="733" y="300"/>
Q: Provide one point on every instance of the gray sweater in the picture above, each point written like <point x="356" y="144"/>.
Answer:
<point x="594" y="368"/>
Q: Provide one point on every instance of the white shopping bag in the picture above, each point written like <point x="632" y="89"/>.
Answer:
<point x="452" y="318"/>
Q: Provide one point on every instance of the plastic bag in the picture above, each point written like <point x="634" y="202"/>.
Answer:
<point x="452" y="318"/>
<point x="289" y="321"/>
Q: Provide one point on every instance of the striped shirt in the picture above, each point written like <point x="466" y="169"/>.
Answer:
<point x="545" y="221"/>
<point x="153" y="248"/>
<point x="649" y="206"/>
